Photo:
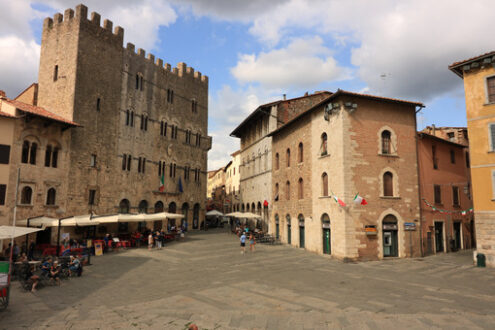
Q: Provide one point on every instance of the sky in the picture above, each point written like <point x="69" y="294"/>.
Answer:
<point x="255" y="51"/>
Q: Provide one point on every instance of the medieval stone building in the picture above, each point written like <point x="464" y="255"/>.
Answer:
<point x="141" y="122"/>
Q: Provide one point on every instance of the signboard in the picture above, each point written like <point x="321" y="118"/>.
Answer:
<point x="89" y="243"/>
<point x="326" y="225"/>
<point x="389" y="226"/>
<point x="370" y="230"/>
<point x="98" y="249"/>
<point x="409" y="226"/>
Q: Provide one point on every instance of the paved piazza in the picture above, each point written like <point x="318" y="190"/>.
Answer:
<point x="206" y="280"/>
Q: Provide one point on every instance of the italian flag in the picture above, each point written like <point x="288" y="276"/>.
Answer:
<point x="161" y="188"/>
<point x="360" y="200"/>
<point x="338" y="200"/>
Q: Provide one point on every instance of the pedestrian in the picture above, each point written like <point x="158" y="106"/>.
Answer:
<point x="243" y="243"/>
<point x="158" y="240"/>
<point x="150" y="241"/>
<point x="252" y="242"/>
<point x="32" y="245"/>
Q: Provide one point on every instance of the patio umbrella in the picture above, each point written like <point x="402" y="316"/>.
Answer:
<point x="8" y="232"/>
<point x="214" y="213"/>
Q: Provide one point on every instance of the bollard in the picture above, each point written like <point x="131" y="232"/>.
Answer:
<point x="480" y="260"/>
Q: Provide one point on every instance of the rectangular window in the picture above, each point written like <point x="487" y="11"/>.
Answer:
<point x="491" y="128"/>
<point x="493" y="184"/>
<point x="92" y="161"/>
<point x="467" y="159"/>
<point x="132" y="118"/>
<point x="434" y="157"/>
<point x="451" y="136"/>
<point x="129" y="159"/>
<point x="452" y="156"/>
<point x="4" y="154"/>
<point x="98" y="104"/>
<point x="141" y="82"/>
<point x="91" y="199"/>
<point x="137" y="81"/>
<point x="124" y="162"/>
<point x="127" y="118"/>
<point x="438" y="194"/>
<point x="55" y="73"/>
<point x="490" y="89"/>
<point x="3" y="190"/>
<point x="55" y="157"/>
<point x="455" y="195"/>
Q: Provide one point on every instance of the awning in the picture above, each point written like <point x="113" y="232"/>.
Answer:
<point x="80" y="220"/>
<point x="113" y="218"/>
<point x="9" y="232"/>
<point x="247" y="215"/>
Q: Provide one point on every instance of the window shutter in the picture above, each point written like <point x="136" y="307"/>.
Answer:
<point x="492" y="136"/>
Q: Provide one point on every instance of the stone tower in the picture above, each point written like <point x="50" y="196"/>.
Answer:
<point x="126" y="106"/>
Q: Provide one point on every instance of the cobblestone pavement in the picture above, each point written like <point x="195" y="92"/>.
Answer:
<point x="206" y="280"/>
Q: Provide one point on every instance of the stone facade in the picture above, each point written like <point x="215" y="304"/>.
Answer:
<point x="444" y="172"/>
<point x="38" y="147"/>
<point x="140" y="119"/>
<point x="478" y="74"/>
<point x="352" y="160"/>
<point x="256" y="150"/>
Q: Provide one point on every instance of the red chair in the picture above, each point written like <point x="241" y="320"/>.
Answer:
<point x="49" y="251"/>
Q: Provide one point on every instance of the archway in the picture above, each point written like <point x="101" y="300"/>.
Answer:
<point x="390" y="237"/>
<point x="124" y="206"/>
<point x="289" y="234"/>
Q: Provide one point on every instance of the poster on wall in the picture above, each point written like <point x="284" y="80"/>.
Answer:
<point x="98" y="249"/>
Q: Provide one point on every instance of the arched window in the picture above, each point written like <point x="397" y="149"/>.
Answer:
<point x="287" y="190"/>
<point x="172" y="207"/>
<point x="247" y="207"/>
<point x="388" y="184"/>
<point x="48" y="155"/>
<point x="253" y="207"/>
<point x="288" y="157"/>
<point x="259" y="208"/>
<point x="159" y="207"/>
<point x="143" y="207"/>
<point x="242" y="207"/>
<point x="386" y="143"/>
<point x="55" y="157"/>
<point x="324" y="184"/>
<point x="323" y="147"/>
<point x="124" y="206"/>
<point x="32" y="153"/>
<point x="300" y="189"/>
<point x="300" y="155"/>
<point x="25" y="152"/>
<point x="26" y="195"/>
<point x="50" y="196"/>
<point x="277" y="161"/>
<point x="185" y="211"/>
<point x="276" y="192"/>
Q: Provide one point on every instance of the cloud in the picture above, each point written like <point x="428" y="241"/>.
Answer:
<point x="20" y="61"/>
<point x="304" y="63"/>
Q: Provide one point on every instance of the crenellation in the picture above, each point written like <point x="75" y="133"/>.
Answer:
<point x="81" y="11"/>
<point x="131" y="48"/>
<point x="151" y="57"/>
<point x="95" y="18"/>
<point x="68" y="14"/>
<point x="175" y="71"/>
<point x="181" y="66"/>
<point x="204" y="79"/>
<point x="141" y="52"/>
<point x="197" y="75"/>
<point x="168" y="67"/>
<point x="47" y="23"/>
<point x="190" y="70"/>
<point x="107" y="24"/>
<point x="58" y="18"/>
<point x="119" y="31"/>
<point x="159" y="62"/>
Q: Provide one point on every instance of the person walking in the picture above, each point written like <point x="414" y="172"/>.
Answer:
<point x="243" y="243"/>
<point x="158" y="240"/>
<point x="252" y="242"/>
<point x="150" y="241"/>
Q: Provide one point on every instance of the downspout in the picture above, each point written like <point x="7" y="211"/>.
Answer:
<point x="419" y="183"/>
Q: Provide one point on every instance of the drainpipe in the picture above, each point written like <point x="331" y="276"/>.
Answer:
<point x="419" y="183"/>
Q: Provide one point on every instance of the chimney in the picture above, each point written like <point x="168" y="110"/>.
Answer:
<point x="2" y="94"/>
<point x="432" y="129"/>
<point x="306" y="94"/>
<point x="285" y="97"/>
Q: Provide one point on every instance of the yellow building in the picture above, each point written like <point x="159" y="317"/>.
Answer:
<point x="479" y="86"/>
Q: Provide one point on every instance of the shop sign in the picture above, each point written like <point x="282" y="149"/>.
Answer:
<point x="370" y="230"/>
<point x="326" y="225"/>
<point x="409" y="226"/>
<point x="389" y="226"/>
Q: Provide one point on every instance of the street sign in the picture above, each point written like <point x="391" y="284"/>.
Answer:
<point x="409" y="226"/>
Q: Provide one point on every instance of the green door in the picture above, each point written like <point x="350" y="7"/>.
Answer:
<point x="288" y="235"/>
<point x="326" y="241"/>
<point x="301" y="237"/>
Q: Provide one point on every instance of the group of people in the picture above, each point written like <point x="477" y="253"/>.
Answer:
<point x="244" y="234"/>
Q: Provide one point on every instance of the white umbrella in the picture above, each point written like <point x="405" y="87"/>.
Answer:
<point x="113" y="218"/>
<point x="162" y="216"/>
<point x="214" y="213"/>
<point x="8" y="232"/>
<point x="80" y="220"/>
<point x="235" y="215"/>
<point x="39" y="222"/>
